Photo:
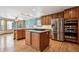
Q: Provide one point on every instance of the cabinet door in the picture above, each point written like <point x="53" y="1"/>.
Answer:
<point x="67" y="14"/>
<point x="44" y="40"/>
<point x="71" y="13"/>
<point x="28" y="37"/>
<point x="49" y="19"/>
<point x="43" y="20"/>
<point x="23" y="33"/>
<point x="74" y="13"/>
<point x="78" y="30"/>
<point x="46" y="20"/>
<point x="18" y="34"/>
<point x="61" y="15"/>
<point x="55" y="15"/>
<point x="36" y="41"/>
<point x="78" y="12"/>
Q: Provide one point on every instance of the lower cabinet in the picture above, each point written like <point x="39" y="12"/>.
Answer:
<point x="38" y="41"/>
<point x="19" y="34"/>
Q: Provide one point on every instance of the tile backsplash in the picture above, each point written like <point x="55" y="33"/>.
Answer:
<point x="30" y="22"/>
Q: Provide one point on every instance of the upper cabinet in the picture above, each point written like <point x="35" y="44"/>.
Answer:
<point x="43" y="20"/>
<point x="55" y="15"/>
<point x="61" y="15"/>
<point x="71" y="13"/>
<point x="67" y="14"/>
<point x="58" y="15"/>
<point x="46" y="20"/>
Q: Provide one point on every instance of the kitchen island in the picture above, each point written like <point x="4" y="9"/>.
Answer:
<point x="19" y="33"/>
<point x="37" y="38"/>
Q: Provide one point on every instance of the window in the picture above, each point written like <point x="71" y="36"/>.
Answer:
<point x="9" y="25"/>
<point x="1" y="25"/>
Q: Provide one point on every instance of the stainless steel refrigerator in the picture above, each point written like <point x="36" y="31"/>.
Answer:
<point x="57" y="31"/>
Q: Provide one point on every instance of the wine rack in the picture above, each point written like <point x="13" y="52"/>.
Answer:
<point x="70" y="30"/>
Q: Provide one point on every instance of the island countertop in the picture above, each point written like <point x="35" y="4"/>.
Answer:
<point x="33" y="29"/>
<point x="38" y="30"/>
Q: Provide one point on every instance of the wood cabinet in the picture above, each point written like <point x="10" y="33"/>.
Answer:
<point x="71" y="30"/>
<point x="19" y="34"/>
<point x="78" y="30"/>
<point x="40" y="40"/>
<point x="46" y="20"/>
<point x="28" y="37"/>
<point x="66" y="13"/>
<point x="43" y="20"/>
<point x="61" y="15"/>
<point x="55" y="15"/>
<point x="71" y="13"/>
<point x="58" y="15"/>
<point x="36" y="41"/>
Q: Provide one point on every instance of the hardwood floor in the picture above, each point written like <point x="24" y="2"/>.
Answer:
<point x="54" y="46"/>
<point x="7" y="44"/>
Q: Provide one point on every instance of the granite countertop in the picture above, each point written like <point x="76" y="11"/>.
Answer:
<point x="37" y="27"/>
<point x="38" y="30"/>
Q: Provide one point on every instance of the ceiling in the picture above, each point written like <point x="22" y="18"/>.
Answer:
<point x="23" y="12"/>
